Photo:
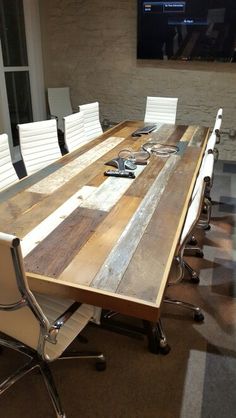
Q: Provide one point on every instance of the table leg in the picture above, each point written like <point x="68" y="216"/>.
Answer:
<point x="157" y="342"/>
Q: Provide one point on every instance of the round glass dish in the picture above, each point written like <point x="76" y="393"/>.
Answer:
<point x="163" y="150"/>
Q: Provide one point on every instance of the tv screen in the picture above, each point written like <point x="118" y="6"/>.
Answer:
<point x="202" y="30"/>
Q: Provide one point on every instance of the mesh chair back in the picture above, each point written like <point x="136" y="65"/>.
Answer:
<point x="92" y="124"/>
<point x="194" y="210"/>
<point x="59" y="104"/>
<point x="74" y="131"/>
<point x="39" y="144"/>
<point x="218" y="120"/>
<point x="211" y="142"/>
<point x="8" y="175"/>
<point x="161" y="110"/>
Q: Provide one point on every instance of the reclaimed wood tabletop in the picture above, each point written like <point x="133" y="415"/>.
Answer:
<point x="107" y="241"/>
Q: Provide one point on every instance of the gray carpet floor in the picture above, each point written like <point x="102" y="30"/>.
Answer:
<point x="196" y="379"/>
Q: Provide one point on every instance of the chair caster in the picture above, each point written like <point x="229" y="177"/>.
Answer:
<point x="101" y="365"/>
<point x="198" y="317"/>
<point x="164" y="349"/>
<point x="207" y="228"/>
<point x="193" y="241"/>
<point x="159" y="345"/>
<point x="194" y="278"/>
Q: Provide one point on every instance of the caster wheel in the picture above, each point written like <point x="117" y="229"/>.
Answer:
<point x="198" y="317"/>
<point x="101" y="366"/>
<point x="193" y="241"/>
<point x="165" y="349"/>
<point x="207" y="228"/>
<point x="194" y="279"/>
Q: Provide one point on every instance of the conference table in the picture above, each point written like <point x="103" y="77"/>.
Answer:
<point x="102" y="240"/>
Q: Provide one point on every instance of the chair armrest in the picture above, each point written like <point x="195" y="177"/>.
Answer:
<point x="60" y="321"/>
<point x="13" y="306"/>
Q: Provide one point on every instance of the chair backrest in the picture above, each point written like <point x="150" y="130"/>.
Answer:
<point x="74" y="131"/>
<point x="39" y="144"/>
<point x="92" y="125"/>
<point x="218" y="122"/>
<point x="20" y="315"/>
<point x="194" y="210"/>
<point x="161" y="109"/>
<point x="211" y="142"/>
<point x="206" y="170"/>
<point x="59" y="104"/>
<point x="8" y="175"/>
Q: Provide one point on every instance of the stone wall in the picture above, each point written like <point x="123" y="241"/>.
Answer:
<point x="91" y="47"/>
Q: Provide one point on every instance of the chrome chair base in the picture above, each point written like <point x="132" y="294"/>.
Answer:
<point x="37" y="362"/>
<point x="198" y="315"/>
<point x="193" y="274"/>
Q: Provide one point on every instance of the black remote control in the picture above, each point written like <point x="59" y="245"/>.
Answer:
<point x="120" y="173"/>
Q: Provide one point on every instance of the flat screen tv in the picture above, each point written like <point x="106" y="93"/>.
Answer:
<point x="202" y="30"/>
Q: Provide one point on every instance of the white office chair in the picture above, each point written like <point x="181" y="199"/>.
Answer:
<point x="38" y="326"/>
<point x="39" y="144"/>
<point x="59" y="104"/>
<point x="92" y="126"/>
<point x="199" y="214"/>
<point x="74" y="131"/>
<point x="161" y="110"/>
<point x="8" y="175"/>
<point x="204" y="220"/>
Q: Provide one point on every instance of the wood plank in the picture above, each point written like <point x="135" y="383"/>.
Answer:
<point x="108" y="194"/>
<point x="85" y="265"/>
<point x="196" y="140"/>
<point x="14" y="207"/>
<point x="142" y="183"/>
<point x="65" y="241"/>
<point x="50" y="223"/>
